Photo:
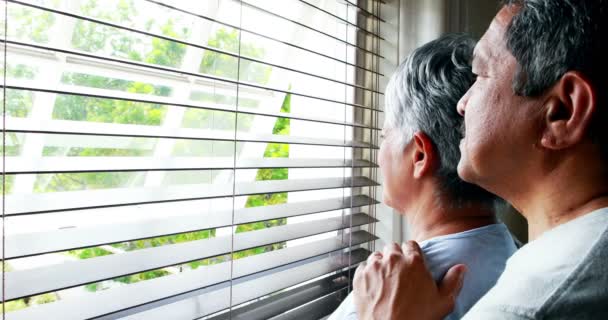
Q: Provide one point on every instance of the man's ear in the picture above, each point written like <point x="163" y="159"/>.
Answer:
<point x="568" y="111"/>
<point x="424" y="155"/>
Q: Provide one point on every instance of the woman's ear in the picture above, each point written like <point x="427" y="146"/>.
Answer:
<point x="568" y="111"/>
<point x="424" y="155"/>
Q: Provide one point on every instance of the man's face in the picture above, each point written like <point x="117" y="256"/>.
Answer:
<point x="500" y="126"/>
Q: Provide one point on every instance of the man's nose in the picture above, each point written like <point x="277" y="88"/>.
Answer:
<point x="462" y="104"/>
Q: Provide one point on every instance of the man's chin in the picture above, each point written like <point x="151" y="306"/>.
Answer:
<point x="465" y="172"/>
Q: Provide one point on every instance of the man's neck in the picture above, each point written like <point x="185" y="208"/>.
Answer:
<point x="430" y="220"/>
<point x="561" y="207"/>
<point x="568" y="191"/>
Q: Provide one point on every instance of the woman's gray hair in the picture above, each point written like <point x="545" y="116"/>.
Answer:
<point x="422" y="96"/>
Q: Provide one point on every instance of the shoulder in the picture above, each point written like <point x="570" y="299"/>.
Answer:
<point x="583" y="294"/>
<point x="483" y="250"/>
<point x="563" y="270"/>
<point x="486" y="248"/>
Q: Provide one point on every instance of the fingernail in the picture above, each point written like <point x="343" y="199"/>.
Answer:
<point x="463" y="270"/>
<point x="461" y="276"/>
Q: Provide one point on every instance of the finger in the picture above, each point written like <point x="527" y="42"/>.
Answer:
<point x="413" y="253"/>
<point x="411" y="247"/>
<point x="391" y="249"/>
<point x="396" y="247"/>
<point x="358" y="274"/>
<point x="450" y="286"/>
<point x="374" y="257"/>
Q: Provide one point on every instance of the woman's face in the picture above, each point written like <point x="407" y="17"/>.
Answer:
<point x="395" y="171"/>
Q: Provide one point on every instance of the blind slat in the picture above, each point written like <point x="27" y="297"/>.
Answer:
<point x="134" y="295"/>
<point x="366" y="10"/>
<point x="202" y="305"/>
<point x="359" y="67"/>
<point x="17" y="204"/>
<point x="131" y="97"/>
<point x="288" y="300"/>
<point x="172" y="39"/>
<point x="175" y="71"/>
<point x="257" y="7"/>
<point x="23" y="165"/>
<point x="153" y="221"/>
<point x="255" y="214"/>
<point x="342" y="19"/>
<point x="83" y="128"/>
<point x="160" y="3"/>
<point x="69" y="274"/>
<point x="314" y="310"/>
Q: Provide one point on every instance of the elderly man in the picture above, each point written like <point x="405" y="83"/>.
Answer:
<point x="452" y="219"/>
<point x="534" y="135"/>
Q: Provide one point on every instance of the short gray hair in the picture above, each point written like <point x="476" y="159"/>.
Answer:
<point x="422" y="96"/>
<point x="551" y="37"/>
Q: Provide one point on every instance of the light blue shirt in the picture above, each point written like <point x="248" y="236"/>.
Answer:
<point x="483" y="250"/>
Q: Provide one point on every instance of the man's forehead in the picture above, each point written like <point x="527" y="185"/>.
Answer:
<point x="493" y="41"/>
<point x="481" y="54"/>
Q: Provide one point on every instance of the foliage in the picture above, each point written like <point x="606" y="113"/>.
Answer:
<point x="273" y="150"/>
<point x="13" y="144"/>
<point x="161" y="241"/>
<point x="143" y="244"/>
<point x="7" y="182"/>
<point x="89" y="253"/>
<point x="224" y="65"/>
<point x="31" y="24"/>
<point x="142" y="276"/>
<point x="258" y="250"/>
<point x="18" y="103"/>
<point x="23" y="303"/>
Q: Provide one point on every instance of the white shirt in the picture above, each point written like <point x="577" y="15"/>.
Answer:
<point x="561" y="275"/>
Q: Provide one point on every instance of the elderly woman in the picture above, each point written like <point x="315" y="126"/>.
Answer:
<point x="453" y="221"/>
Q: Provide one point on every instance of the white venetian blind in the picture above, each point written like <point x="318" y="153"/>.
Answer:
<point x="173" y="159"/>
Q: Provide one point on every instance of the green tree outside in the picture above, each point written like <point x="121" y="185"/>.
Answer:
<point x="273" y="150"/>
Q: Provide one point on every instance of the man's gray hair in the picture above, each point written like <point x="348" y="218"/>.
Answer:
<point x="550" y="37"/>
<point x="422" y="96"/>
